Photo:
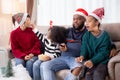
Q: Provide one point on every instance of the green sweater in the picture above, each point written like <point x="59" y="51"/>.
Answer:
<point x="96" y="49"/>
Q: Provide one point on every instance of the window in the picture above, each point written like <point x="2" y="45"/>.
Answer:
<point x="61" y="11"/>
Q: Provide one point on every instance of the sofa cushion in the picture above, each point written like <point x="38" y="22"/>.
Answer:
<point x="117" y="43"/>
<point x="117" y="73"/>
<point x="113" y="29"/>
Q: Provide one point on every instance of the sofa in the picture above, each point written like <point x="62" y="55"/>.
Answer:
<point x="114" y="64"/>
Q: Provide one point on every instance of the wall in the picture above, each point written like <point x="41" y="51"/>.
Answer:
<point x="6" y="25"/>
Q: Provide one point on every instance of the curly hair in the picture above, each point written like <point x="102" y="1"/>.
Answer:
<point x="58" y="34"/>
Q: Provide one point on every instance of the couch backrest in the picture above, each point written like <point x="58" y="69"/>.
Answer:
<point x="114" y="31"/>
<point x="112" y="28"/>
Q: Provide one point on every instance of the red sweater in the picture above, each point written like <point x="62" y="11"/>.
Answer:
<point x="24" y="43"/>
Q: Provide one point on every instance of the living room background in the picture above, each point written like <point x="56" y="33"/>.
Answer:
<point x="61" y="11"/>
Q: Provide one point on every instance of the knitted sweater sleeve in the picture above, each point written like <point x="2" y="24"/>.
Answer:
<point x="15" y="47"/>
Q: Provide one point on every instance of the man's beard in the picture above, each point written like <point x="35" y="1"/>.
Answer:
<point x="79" y="27"/>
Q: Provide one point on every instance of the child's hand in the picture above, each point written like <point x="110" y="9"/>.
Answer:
<point x="32" y="26"/>
<point x="88" y="64"/>
<point x="27" y="57"/>
<point x="63" y="47"/>
<point x="43" y="57"/>
<point x="79" y="59"/>
<point x="31" y="55"/>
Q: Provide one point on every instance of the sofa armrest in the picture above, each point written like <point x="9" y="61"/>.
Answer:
<point x="111" y="66"/>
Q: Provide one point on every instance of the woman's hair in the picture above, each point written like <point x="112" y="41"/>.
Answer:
<point x="58" y="34"/>
<point x="13" y="19"/>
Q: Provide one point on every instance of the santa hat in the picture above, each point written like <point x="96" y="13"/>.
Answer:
<point x="81" y="12"/>
<point x="98" y="14"/>
<point x="20" y="18"/>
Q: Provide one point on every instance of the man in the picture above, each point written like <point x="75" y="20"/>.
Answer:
<point x="70" y="51"/>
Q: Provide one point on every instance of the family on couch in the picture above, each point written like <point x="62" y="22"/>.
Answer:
<point x="82" y="45"/>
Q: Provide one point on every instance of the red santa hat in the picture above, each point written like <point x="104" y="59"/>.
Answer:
<point x="98" y="14"/>
<point x="81" y="12"/>
<point x="20" y="18"/>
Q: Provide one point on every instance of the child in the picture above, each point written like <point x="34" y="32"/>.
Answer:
<point x="24" y="43"/>
<point x="96" y="46"/>
<point x="55" y="36"/>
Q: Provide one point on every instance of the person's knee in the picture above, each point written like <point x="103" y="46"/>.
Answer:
<point x="29" y="63"/>
<point x="76" y="71"/>
<point x="88" y="73"/>
<point x="100" y="70"/>
<point x="36" y="65"/>
<point x="19" y="61"/>
<point x="44" y="65"/>
<point x="89" y="76"/>
<point x="99" y="74"/>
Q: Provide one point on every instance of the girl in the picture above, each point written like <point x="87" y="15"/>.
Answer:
<point x="55" y="36"/>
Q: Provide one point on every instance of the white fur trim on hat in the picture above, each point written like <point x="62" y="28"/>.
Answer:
<point x="80" y="13"/>
<point x="16" y="24"/>
<point x="23" y="19"/>
<point x="95" y="16"/>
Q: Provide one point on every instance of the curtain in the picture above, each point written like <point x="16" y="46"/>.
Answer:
<point x="34" y="12"/>
<point x="61" y="11"/>
<point x="30" y="6"/>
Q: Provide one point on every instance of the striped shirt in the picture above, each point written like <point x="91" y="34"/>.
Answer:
<point x="51" y="49"/>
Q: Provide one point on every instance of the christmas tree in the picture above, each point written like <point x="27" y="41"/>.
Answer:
<point x="9" y="70"/>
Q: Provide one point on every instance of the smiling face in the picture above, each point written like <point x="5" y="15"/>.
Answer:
<point x="91" y="23"/>
<point x="78" y="22"/>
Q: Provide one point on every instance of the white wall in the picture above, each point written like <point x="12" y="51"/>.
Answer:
<point x="61" y="11"/>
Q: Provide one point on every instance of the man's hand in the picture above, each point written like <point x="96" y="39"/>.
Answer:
<point x="113" y="52"/>
<point x="79" y="59"/>
<point x="43" y="57"/>
<point x="88" y="64"/>
<point x="63" y="47"/>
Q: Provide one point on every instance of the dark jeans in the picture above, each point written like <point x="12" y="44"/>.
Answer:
<point x="98" y="72"/>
